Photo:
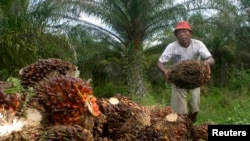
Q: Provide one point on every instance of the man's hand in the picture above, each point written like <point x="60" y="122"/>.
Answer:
<point x="207" y="69"/>
<point x="165" y="73"/>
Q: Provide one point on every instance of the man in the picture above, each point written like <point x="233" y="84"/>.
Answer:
<point x="185" y="48"/>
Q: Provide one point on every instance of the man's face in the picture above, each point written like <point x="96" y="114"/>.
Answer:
<point x="183" y="36"/>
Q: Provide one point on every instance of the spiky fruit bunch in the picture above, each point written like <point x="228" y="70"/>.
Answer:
<point x="9" y="124"/>
<point x="179" y="130"/>
<point x="66" y="133"/>
<point x="161" y="112"/>
<point x="9" y="102"/>
<point x="66" y="99"/>
<point x="19" y="128"/>
<point x="201" y="131"/>
<point x="166" y="125"/>
<point x="124" y="118"/>
<point x="189" y="74"/>
<point x="35" y="72"/>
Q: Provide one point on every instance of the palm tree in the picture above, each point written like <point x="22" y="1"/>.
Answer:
<point x="96" y="58"/>
<point x="226" y="35"/>
<point x="129" y="24"/>
<point x="26" y="29"/>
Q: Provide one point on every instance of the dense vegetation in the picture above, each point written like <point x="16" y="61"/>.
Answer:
<point x="121" y="56"/>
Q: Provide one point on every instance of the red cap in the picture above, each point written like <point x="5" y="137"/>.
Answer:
<point x="183" y="25"/>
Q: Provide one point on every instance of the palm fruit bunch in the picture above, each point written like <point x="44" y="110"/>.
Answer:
<point x="66" y="133"/>
<point x="20" y="128"/>
<point x="66" y="99"/>
<point x="124" y="118"/>
<point x="9" y="102"/>
<point x="33" y="73"/>
<point x="189" y="74"/>
<point x="160" y="112"/>
<point x="201" y="131"/>
<point x="9" y="124"/>
<point x="150" y="134"/>
<point x="166" y="125"/>
<point x="176" y="130"/>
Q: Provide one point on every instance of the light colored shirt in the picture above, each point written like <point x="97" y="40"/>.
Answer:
<point x="175" y="53"/>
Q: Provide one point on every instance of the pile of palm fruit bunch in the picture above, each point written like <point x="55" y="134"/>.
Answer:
<point x="63" y="107"/>
<point x="66" y="132"/>
<point x="16" y="123"/>
<point x="33" y="73"/>
<point x="177" y="127"/>
<point x="201" y="131"/>
<point x="124" y="118"/>
<point x="9" y="102"/>
<point x="19" y="128"/>
<point x="59" y="99"/>
<point x="66" y="99"/>
<point x="189" y="74"/>
<point x="63" y="96"/>
<point x="171" y="126"/>
<point x="29" y="128"/>
<point x="166" y="125"/>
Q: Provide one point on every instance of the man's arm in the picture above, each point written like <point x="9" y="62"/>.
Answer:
<point x="162" y="68"/>
<point x="210" y="60"/>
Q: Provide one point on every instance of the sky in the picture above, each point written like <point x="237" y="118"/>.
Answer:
<point x="93" y="20"/>
<point x="98" y="21"/>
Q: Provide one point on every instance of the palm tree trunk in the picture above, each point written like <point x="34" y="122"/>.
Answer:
<point x="134" y="68"/>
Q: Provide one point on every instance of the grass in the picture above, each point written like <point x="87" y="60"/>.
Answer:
<point x="218" y="106"/>
<point x="222" y="106"/>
